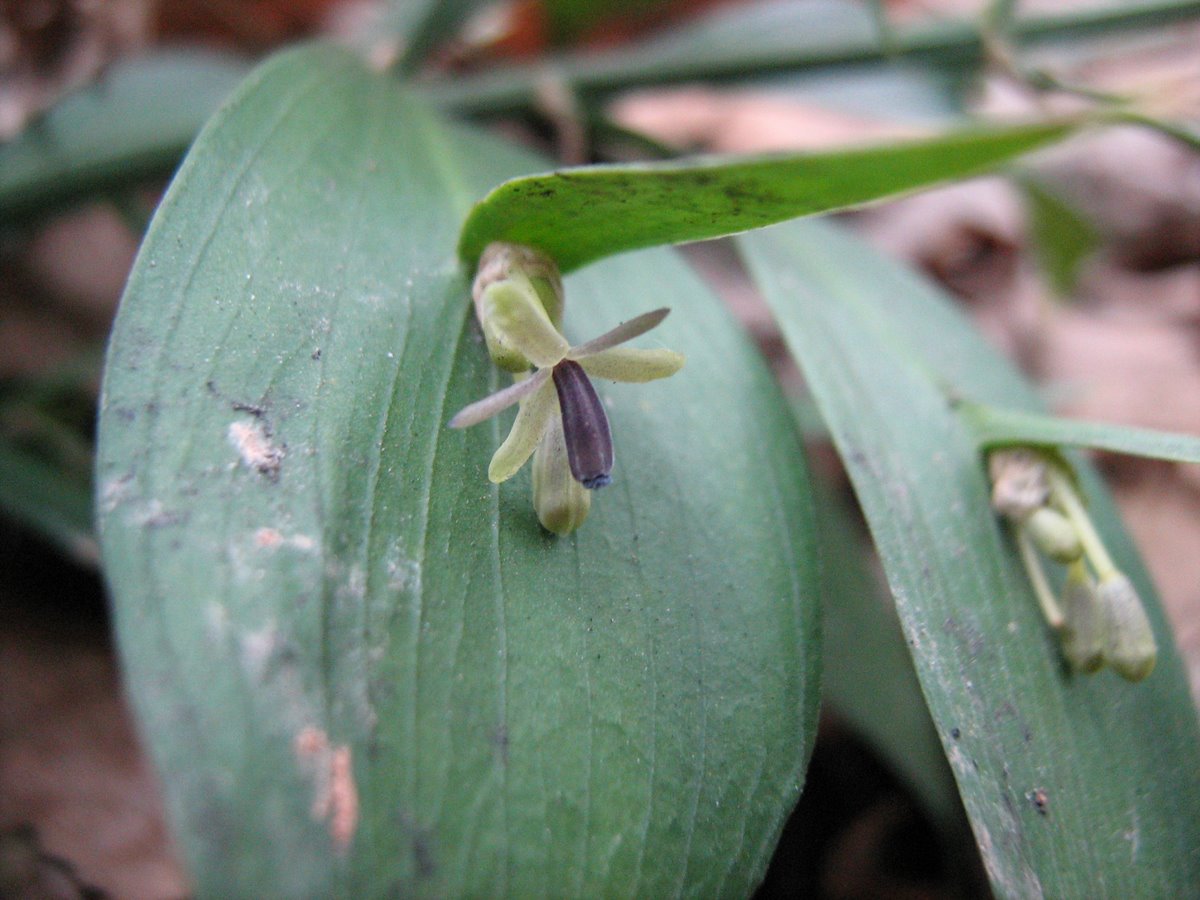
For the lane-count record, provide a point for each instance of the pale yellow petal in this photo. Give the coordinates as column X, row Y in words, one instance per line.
column 561, row 502
column 520, row 322
column 630, row 364
column 535, row 412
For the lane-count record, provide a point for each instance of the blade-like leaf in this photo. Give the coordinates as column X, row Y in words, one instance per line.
column 580, row 215
column 752, row 39
column 1076, row 786
column 868, row 675
column 361, row 668
column 136, row 122
column 423, row 25
column 996, row 426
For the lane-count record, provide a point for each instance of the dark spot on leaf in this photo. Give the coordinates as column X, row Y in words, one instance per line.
column 165, row 518
column 500, row 740
column 253, row 409
column 1040, row 800
column 422, row 846
column 955, row 733
column 421, row 841
column 316, row 354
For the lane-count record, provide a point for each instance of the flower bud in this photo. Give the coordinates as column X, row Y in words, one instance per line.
column 1084, row 622
column 1130, row 649
column 561, row 502
column 1019, row 482
column 1054, row 535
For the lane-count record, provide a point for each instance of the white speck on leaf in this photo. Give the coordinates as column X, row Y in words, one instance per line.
column 216, row 618
column 114, row 493
column 254, row 446
column 272, row 539
column 256, row 650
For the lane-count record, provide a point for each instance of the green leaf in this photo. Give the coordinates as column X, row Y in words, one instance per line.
column 1076, row 786
column 584, row 214
column 1063, row 239
column 423, row 25
column 868, row 675
column 52, row 501
column 316, row 587
column 996, row 426
column 135, row 122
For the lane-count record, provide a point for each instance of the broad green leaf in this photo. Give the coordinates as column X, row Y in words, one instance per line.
column 995, row 426
column 583, row 214
column 320, row 597
column 135, row 122
column 1076, row 786
column 1063, row 238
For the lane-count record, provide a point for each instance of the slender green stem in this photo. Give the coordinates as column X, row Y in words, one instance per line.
column 1063, row 494
column 1037, row 578
column 955, row 43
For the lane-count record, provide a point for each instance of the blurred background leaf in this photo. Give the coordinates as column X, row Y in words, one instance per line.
column 1062, row 238
column 133, row 124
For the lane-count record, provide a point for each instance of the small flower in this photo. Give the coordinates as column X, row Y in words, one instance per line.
column 1084, row 630
column 1101, row 619
column 561, row 420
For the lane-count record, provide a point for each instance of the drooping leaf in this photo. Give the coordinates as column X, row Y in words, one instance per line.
column 135, row 122
column 361, row 668
column 996, row 426
column 584, row 214
column 1076, row 786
